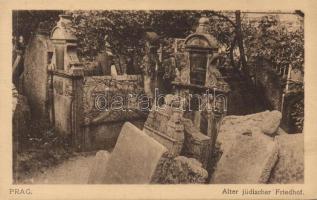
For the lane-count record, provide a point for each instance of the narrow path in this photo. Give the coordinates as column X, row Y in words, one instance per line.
column 73, row 171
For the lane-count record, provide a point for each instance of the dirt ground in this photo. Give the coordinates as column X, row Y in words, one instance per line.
column 75, row 170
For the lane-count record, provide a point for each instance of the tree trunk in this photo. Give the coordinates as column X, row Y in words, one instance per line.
column 239, row 36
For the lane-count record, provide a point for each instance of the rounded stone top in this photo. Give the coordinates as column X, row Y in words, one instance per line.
column 201, row 40
column 63, row 30
column 203, row 20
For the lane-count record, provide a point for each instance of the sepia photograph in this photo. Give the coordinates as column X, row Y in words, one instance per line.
column 158, row 97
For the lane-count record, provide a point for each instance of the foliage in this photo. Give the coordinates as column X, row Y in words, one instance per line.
column 298, row 115
column 282, row 45
column 273, row 40
column 25, row 22
column 126, row 28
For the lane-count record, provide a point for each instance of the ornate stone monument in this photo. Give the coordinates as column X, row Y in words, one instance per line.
column 199, row 77
column 67, row 80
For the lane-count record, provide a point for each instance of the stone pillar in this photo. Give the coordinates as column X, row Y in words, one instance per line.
column 67, row 79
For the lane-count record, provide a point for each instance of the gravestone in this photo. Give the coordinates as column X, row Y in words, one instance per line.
column 134, row 158
column 268, row 122
column 164, row 125
column 290, row 165
column 249, row 160
column 99, row 166
column 36, row 81
column 196, row 144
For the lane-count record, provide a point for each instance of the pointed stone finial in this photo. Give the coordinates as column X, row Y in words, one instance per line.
column 203, row 26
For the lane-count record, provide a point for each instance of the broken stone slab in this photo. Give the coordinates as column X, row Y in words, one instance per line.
column 249, row 160
column 179, row 170
column 134, row 158
column 97, row 171
column 231, row 126
column 290, row 165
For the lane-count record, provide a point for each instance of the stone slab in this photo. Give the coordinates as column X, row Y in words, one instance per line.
column 290, row 166
column 196, row 144
column 165, row 127
column 134, row 158
column 268, row 122
column 97, row 171
column 249, row 161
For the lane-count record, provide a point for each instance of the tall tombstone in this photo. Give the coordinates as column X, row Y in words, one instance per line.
column 199, row 76
column 67, row 79
column 35, row 76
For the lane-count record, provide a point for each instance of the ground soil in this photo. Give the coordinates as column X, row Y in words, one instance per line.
column 75, row 170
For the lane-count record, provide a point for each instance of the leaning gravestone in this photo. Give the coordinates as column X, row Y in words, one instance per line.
column 290, row 165
column 99, row 166
column 134, row 158
column 249, row 160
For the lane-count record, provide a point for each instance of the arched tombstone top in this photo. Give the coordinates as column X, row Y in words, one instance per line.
column 62, row 31
column 201, row 41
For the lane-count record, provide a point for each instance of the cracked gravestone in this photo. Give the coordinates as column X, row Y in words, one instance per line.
column 249, row 160
column 134, row 158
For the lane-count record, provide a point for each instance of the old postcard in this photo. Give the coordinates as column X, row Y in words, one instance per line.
column 158, row 100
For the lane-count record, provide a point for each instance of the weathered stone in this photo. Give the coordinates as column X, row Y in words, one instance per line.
column 121, row 86
column 290, row 165
column 249, row 160
column 35, row 75
column 99, row 167
column 271, row 123
column 179, row 170
column 164, row 125
column 196, row 144
column 134, row 158
column 231, row 126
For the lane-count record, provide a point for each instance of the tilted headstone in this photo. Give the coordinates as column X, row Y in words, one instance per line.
column 290, row 165
column 97, row 171
column 134, row 158
column 249, row 160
